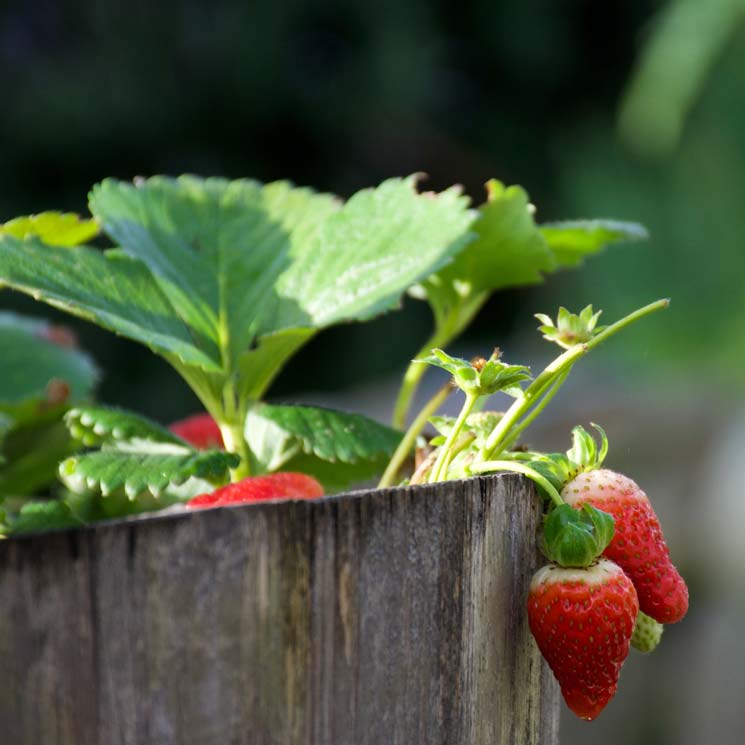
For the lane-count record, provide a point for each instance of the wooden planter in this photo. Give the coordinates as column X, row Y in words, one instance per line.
column 379, row 617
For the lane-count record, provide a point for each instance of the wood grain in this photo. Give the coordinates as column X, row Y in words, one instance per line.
column 389, row 617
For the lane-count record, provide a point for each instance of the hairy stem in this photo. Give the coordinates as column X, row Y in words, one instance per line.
column 439, row 470
column 627, row 320
column 409, row 439
column 494, row 443
column 508, row 465
column 530, row 417
column 447, row 328
column 501, row 434
column 412, row 377
column 235, row 442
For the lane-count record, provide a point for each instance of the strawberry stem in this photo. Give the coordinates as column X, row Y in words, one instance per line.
column 447, row 327
column 409, row 439
column 235, row 442
column 536, row 410
column 555, row 372
column 495, row 442
column 507, row 465
column 412, row 378
column 439, row 470
column 626, row 321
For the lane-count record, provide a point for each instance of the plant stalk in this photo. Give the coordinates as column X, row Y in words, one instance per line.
column 408, row 440
column 412, row 377
column 446, row 329
column 506, row 465
column 235, row 442
column 439, row 470
column 537, row 409
column 495, row 444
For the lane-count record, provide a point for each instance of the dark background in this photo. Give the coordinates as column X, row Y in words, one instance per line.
column 633, row 109
column 337, row 95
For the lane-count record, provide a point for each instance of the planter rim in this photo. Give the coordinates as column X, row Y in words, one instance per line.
column 179, row 512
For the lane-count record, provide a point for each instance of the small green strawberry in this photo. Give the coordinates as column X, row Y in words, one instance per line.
column 647, row 633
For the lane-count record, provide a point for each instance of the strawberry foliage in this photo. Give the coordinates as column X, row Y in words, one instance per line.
column 226, row 280
column 56, row 228
column 510, row 250
column 42, row 372
column 336, row 447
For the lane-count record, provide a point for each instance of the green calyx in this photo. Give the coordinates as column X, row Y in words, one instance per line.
column 570, row 328
column 647, row 633
column 481, row 377
column 575, row 538
column 584, row 455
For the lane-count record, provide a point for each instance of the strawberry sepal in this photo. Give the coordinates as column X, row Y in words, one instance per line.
column 576, row 538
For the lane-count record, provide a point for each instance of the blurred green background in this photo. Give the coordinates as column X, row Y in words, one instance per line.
column 632, row 110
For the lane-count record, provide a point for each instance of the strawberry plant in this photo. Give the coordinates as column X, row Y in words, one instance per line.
column 226, row 281
column 609, row 583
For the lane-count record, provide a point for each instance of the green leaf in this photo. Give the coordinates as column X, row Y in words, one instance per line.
column 480, row 424
column 604, row 526
column 240, row 261
column 572, row 240
column 575, row 538
column 270, row 444
column 481, row 377
column 509, row 250
column 33, row 449
column 258, row 367
column 336, row 477
column 300, row 437
column 108, row 288
column 147, row 473
column 453, row 365
column 95, row 426
column 227, row 279
column 53, row 228
column 584, row 452
column 37, row 372
column 216, row 248
column 39, row 516
column 366, row 255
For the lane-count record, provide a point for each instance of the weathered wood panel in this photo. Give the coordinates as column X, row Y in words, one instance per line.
column 375, row 618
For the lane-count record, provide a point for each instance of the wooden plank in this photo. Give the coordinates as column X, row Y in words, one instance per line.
column 387, row 617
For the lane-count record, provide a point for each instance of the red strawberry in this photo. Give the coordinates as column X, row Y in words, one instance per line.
column 638, row 545
column 582, row 620
column 286, row 485
column 200, row 430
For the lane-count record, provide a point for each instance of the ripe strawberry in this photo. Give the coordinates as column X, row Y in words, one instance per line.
column 199, row 430
column 638, row 545
column 286, row 485
column 582, row 620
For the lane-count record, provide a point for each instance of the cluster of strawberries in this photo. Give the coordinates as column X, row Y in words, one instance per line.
column 611, row 582
column 585, row 617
